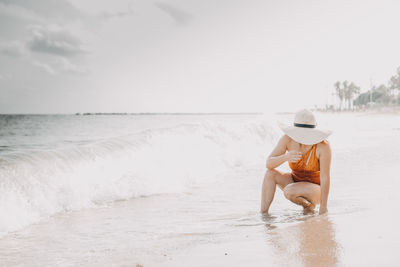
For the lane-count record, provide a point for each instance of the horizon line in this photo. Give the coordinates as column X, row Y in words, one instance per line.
column 136, row 113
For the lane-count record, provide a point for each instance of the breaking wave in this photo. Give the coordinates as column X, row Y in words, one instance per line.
column 38, row 184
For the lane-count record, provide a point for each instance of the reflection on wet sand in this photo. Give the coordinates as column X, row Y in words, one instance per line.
column 309, row 243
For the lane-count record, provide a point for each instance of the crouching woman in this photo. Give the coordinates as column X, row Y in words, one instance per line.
column 308, row 153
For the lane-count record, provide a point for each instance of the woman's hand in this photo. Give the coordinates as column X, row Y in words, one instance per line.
column 293, row 156
column 323, row 209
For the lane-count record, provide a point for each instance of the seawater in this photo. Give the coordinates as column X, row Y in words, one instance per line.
column 55, row 163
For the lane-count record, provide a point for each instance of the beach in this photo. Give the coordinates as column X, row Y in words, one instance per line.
column 184, row 190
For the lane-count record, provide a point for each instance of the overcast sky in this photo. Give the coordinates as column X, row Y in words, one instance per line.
column 66, row 56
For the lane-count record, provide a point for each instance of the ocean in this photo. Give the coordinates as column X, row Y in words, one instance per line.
column 161, row 190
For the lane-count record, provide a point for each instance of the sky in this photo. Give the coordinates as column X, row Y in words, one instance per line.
column 67, row 56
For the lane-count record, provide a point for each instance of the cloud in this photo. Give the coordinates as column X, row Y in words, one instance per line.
column 47, row 68
column 119, row 14
column 61, row 65
column 54, row 40
column 59, row 9
column 179, row 16
column 8, row 11
column 12, row 49
column 67, row 66
column 111, row 15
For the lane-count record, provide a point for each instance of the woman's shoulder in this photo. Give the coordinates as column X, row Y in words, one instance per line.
column 284, row 141
column 324, row 143
column 324, row 147
column 286, row 138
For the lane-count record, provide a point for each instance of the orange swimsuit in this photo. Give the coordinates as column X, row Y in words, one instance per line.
column 307, row 168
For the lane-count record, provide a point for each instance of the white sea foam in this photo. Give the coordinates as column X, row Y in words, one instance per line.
column 41, row 183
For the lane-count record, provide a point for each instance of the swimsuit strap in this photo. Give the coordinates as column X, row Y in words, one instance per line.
column 309, row 155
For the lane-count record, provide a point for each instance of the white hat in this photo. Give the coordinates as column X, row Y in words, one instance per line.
column 304, row 129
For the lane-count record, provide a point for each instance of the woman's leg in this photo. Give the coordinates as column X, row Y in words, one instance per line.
column 271, row 179
column 303, row 193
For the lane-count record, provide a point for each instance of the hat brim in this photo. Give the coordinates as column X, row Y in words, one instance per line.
column 307, row 136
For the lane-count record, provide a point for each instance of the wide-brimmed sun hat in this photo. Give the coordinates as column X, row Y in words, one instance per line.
column 304, row 129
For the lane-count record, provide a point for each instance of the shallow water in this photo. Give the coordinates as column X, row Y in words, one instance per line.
column 212, row 218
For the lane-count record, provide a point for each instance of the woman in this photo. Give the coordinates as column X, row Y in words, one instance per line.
column 309, row 156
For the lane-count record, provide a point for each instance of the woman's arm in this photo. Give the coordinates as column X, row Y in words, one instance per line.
column 325, row 168
column 279, row 155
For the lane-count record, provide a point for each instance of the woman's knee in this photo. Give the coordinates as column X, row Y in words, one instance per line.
column 270, row 175
column 288, row 192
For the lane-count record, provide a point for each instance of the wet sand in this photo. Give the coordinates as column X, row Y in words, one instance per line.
column 327, row 240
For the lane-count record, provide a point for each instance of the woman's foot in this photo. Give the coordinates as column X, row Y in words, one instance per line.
column 307, row 205
column 309, row 209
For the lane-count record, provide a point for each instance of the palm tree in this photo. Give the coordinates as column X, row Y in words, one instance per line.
column 349, row 92
column 346, row 91
column 394, row 83
column 339, row 92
